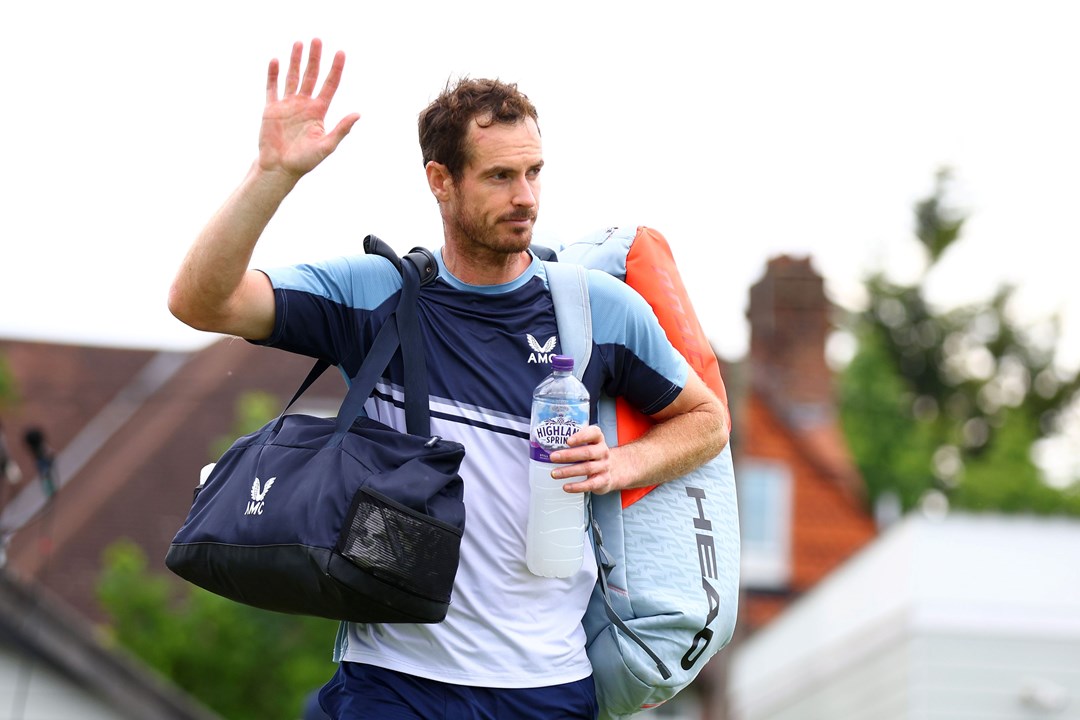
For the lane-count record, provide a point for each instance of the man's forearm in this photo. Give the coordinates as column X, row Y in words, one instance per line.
column 688, row 432
column 212, row 276
column 672, row 448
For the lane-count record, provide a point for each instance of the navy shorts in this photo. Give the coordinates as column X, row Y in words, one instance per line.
column 360, row 692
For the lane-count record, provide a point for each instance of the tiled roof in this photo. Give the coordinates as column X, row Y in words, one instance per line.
column 135, row 475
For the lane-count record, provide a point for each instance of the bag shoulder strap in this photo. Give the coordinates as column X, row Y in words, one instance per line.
column 401, row 329
column 569, row 286
column 396, row 331
column 422, row 258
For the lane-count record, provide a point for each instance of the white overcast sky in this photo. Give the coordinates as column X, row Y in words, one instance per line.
column 740, row 130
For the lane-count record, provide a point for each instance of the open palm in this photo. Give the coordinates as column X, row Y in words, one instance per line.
column 293, row 138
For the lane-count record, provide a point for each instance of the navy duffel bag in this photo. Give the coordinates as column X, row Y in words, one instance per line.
column 341, row 518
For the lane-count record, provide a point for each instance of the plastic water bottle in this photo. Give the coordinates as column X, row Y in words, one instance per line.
column 555, row 535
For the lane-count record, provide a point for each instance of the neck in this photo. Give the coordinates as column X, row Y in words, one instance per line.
column 478, row 265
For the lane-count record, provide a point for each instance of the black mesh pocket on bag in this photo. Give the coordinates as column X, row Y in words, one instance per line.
column 402, row 547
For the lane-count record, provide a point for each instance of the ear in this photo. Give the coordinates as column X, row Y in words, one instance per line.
column 439, row 180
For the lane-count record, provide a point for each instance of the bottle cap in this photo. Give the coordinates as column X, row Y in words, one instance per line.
column 562, row 363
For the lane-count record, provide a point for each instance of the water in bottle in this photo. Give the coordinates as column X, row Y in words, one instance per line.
column 555, row 535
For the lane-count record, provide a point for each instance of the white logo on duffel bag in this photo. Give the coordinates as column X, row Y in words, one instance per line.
column 255, row 507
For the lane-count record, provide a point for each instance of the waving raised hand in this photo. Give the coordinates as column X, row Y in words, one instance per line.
column 214, row 290
column 293, row 138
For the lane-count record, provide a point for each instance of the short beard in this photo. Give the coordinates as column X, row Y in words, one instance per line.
column 482, row 238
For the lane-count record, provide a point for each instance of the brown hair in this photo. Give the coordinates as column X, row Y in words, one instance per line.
column 444, row 124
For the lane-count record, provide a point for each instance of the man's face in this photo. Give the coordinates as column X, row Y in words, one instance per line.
column 493, row 205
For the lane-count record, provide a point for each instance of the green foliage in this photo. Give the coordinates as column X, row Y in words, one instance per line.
column 245, row 663
column 8, row 393
column 889, row 445
column 253, row 410
column 242, row 662
column 937, row 226
column 952, row 400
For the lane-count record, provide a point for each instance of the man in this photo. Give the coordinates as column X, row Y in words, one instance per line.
column 512, row 645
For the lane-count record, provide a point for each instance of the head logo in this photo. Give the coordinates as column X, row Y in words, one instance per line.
column 258, row 495
column 540, row 353
column 706, row 547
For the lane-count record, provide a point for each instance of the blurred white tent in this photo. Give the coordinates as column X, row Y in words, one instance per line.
column 959, row 616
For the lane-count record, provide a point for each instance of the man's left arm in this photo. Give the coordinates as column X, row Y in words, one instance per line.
column 688, row 432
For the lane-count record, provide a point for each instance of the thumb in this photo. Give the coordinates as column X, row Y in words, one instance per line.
column 342, row 129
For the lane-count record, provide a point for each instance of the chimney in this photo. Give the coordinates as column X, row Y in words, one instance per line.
column 788, row 317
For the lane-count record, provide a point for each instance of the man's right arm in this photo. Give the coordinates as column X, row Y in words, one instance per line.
column 214, row 290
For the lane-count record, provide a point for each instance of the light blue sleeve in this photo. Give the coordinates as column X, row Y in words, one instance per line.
column 642, row 362
column 362, row 282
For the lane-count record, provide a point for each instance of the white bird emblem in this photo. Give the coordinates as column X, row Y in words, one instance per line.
column 537, row 347
column 260, row 496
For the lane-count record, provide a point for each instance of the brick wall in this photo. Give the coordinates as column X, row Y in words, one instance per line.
column 789, row 416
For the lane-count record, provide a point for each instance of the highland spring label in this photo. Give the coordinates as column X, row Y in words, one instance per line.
column 552, row 433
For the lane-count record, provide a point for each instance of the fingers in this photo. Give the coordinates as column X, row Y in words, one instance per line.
column 293, row 132
column 271, row 81
column 333, row 78
column 581, row 454
column 311, row 74
column 591, row 458
column 582, row 468
column 292, row 78
column 586, row 444
column 588, row 452
column 598, row 483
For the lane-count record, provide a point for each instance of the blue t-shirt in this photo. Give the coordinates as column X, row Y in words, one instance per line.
column 487, row 347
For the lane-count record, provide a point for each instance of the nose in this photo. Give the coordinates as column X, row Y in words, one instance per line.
column 526, row 192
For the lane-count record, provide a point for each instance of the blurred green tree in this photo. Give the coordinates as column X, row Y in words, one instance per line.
column 8, row 392
column 953, row 400
column 253, row 410
column 244, row 663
